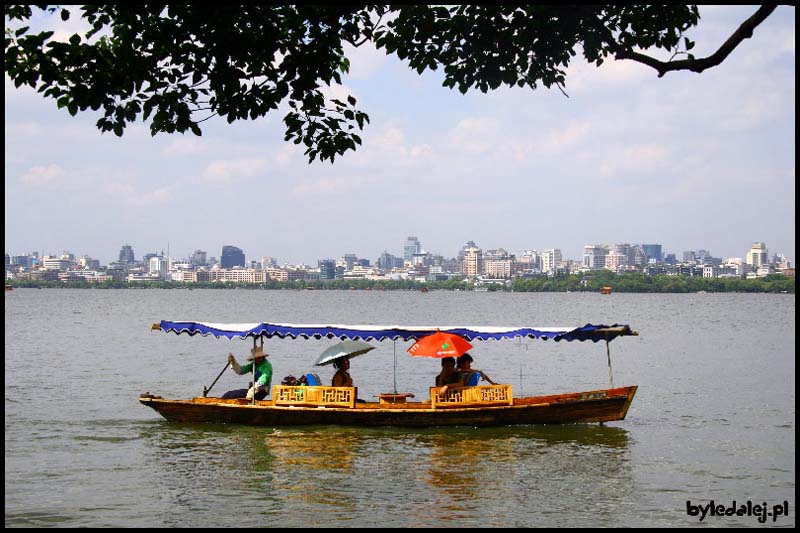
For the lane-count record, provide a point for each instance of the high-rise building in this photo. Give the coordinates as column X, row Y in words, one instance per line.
column 624, row 253
column 654, row 253
column 411, row 247
column 327, row 268
column 350, row 260
column 199, row 258
column 757, row 256
column 126, row 255
column 387, row 261
column 146, row 260
column 158, row 265
column 231, row 257
column 551, row 259
column 638, row 256
column 470, row 244
column 473, row 262
column 594, row 257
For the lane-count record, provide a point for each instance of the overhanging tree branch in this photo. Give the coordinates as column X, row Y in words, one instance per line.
column 745, row 31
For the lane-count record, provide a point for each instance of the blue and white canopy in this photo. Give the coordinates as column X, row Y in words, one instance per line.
column 589, row 332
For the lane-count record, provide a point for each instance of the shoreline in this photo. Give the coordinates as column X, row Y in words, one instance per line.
column 776, row 285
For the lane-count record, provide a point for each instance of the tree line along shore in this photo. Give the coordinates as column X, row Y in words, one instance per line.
column 630, row 282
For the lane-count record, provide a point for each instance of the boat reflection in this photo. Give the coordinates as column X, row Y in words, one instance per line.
column 473, row 472
column 307, row 465
column 337, row 476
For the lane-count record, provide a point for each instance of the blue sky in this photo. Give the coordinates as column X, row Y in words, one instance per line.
column 687, row 161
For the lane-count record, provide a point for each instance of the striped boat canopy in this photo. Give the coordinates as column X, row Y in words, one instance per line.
column 589, row 332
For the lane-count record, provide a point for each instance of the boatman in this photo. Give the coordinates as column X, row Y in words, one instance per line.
column 263, row 380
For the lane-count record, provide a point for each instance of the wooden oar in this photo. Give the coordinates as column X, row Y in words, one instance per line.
column 207, row 389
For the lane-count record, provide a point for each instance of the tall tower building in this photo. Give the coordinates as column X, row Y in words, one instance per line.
column 473, row 262
column 757, row 256
column 411, row 247
column 231, row 257
column 654, row 253
column 126, row 255
column 199, row 258
column 327, row 268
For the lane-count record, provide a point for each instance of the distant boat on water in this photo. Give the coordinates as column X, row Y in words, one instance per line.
column 605, row 290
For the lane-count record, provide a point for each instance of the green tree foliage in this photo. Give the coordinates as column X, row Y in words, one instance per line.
column 177, row 66
column 633, row 282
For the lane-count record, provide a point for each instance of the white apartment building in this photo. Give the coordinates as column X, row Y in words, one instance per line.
column 238, row 275
column 55, row 263
column 594, row 257
column 158, row 265
column 186, row 276
column 551, row 259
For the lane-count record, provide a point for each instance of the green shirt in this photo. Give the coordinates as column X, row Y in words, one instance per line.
column 265, row 369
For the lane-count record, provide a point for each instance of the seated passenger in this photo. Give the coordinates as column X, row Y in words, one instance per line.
column 464, row 369
column 448, row 375
column 342, row 377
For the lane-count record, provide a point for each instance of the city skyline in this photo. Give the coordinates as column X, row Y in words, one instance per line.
column 129, row 252
column 687, row 161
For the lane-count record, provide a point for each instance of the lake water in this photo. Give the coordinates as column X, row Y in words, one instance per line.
column 713, row 419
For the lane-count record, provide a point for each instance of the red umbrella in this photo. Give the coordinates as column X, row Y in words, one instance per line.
column 440, row 345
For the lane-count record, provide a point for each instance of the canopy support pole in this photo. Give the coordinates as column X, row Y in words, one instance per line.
column 253, row 400
column 608, row 354
column 394, row 372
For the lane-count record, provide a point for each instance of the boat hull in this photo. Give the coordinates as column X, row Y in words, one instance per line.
column 579, row 407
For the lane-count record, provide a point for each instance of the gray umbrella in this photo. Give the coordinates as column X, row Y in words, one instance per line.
column 344, row 348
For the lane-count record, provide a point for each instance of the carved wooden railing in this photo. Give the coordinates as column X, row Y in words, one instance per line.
column 456, row 396
column 314, row 396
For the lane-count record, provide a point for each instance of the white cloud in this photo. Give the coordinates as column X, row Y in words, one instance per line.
column 228, row 170
column 582, row 76
column 338, row 92
column 552, row 142
column 565, row 138
column 389, row 144
column 157, row 196
column 186, row 147
column 23, row 129
column 323, row 186
column 365, row 61
column 44, row 176
column 132, row 197
column 636, row 160
column 118, row 188
column 474, row 135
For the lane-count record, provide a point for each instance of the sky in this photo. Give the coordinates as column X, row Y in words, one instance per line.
column 689, row 161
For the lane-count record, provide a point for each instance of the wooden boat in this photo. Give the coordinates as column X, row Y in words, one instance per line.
column 605, row 290
column 492, row 405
